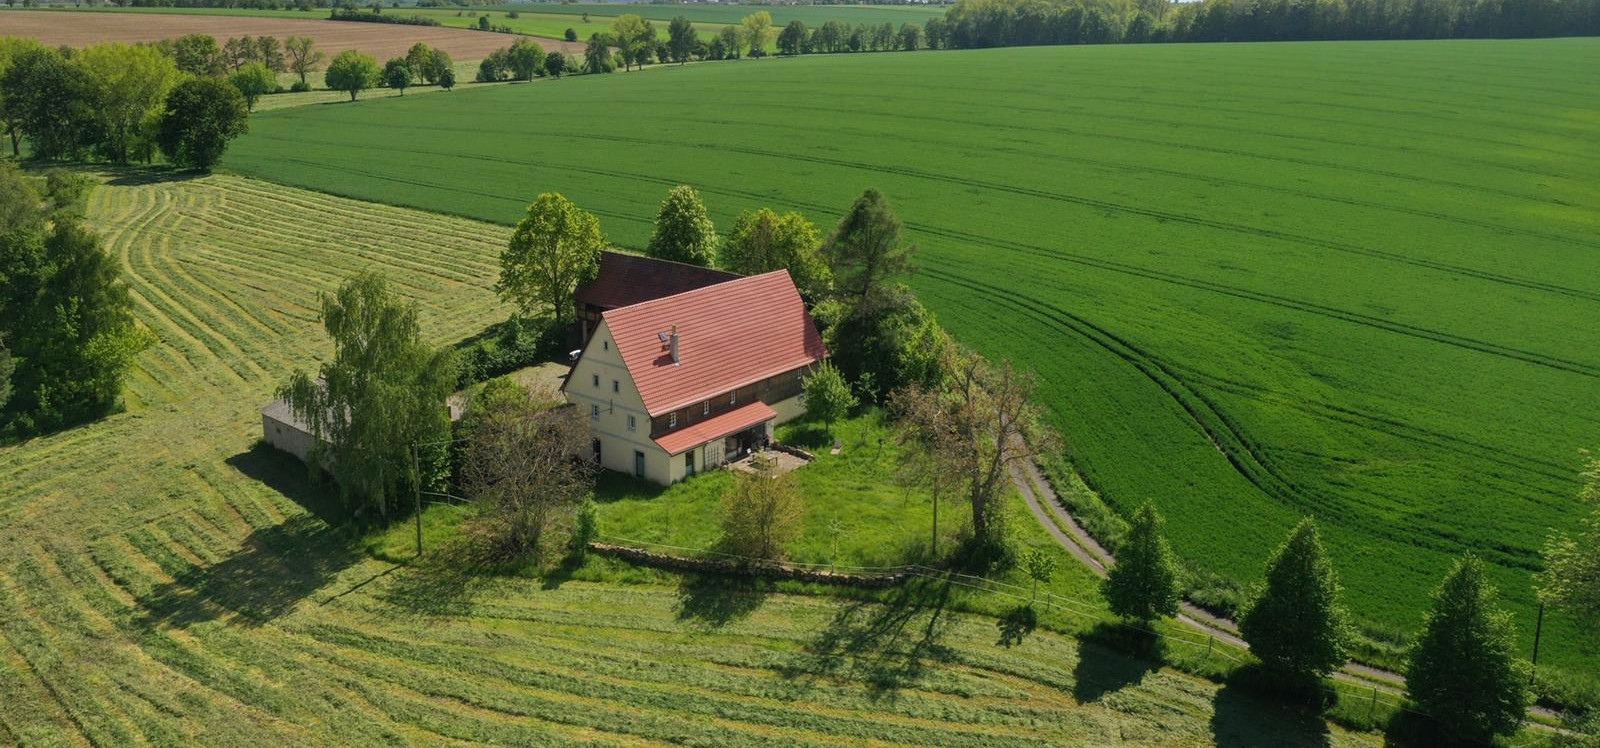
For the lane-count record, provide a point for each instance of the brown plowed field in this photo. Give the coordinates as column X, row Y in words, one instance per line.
column 381, row 40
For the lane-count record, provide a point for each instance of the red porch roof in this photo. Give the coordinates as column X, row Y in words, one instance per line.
column 738, row 419
column 729, row 335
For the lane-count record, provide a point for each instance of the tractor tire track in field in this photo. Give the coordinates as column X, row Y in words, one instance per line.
column 1241, row 452
column 1104, row 205
column 1478, row 346
column 1378, row 323
column 1157, row 215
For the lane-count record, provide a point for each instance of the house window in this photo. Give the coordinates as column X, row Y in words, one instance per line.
column 594, row 411
column 616, row 386
column 672, row 420
column 596, row 378
column 606, row 344
column 733, row 397
column 633, row 423
column 705, row 408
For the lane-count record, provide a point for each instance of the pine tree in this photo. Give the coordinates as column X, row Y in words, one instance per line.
column 1463, row 672
column 683, row 231
column 1295, row 625
column 1143, row 585
column 865, row 255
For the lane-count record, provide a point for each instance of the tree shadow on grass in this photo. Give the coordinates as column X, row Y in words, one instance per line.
column 274, row 568
column 714, row 600
column 143, row 175
column 1245, row 715
column 1105, row 665
column 1016, row 625
column 267, row 577
column 888, row 643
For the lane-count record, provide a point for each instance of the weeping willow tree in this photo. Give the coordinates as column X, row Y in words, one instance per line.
column 381, row 397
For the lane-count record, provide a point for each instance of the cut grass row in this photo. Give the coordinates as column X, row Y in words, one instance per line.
column 1349, row 289
column 162, row 582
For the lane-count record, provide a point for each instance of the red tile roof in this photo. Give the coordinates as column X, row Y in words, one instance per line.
column 738, row 419
column 630, row 279
column 729, row 335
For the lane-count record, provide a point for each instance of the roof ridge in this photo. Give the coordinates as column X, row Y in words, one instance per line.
column 634, row 308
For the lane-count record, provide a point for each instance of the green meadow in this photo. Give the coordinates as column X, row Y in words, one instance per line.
column 1357, row 281
column 165, row 580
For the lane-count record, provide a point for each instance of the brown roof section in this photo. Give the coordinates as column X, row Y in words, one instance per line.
column 625, row 280
column 738, row 419
column 729, row 335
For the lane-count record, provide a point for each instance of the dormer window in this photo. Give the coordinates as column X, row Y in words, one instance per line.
column 672, row 420
column 705, row 408
column 733, row 397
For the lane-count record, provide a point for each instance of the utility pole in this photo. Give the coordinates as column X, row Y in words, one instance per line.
column 416, row 495
column 1538, row 629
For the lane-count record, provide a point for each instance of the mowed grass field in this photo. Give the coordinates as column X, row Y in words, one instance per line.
column 1350, row 280
column 165, row 582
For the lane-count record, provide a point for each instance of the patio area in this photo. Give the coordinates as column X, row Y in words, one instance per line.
column 786, row 462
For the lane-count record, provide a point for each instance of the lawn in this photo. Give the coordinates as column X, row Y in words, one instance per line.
column 163, row 580
column 856, row 515
column 1350, row 284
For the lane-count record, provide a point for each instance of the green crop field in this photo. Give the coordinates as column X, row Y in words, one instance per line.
column 165, row 582
column 1350, row 280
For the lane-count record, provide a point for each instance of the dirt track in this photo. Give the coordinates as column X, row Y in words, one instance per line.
column 381, row 40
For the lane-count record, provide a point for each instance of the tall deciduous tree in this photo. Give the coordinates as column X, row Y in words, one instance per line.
column 49, row 100
column 352, row 72
column 197, row 54
column 791, row 41
column 397, row 75
column 126, row 83
column 518, row 465
column 1295, row 624
column 200, row 116
column 1463, row 671
column 984, row 420
column 762, row 515
column 683, row 231
column 732, row 42
column 420, row 60
column 597, row 56
column 526, row 59
column 381, row 396
column 1570, row 581
column 757, row 32
column 828, row 396
column 254, row 81
column 762, row 241
column 303, row 56
column 10, row 123
column 1143, row 584
column 64, row 312
column 635, row 37
column 865, row 253
column 681, row 38
column 555, row 247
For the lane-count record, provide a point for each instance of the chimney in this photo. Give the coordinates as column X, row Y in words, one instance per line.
column 673, row 344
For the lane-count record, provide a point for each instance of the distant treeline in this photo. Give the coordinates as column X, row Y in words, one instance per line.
column 351, row 14
column 1007, row 23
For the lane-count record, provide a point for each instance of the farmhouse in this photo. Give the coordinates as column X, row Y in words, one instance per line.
column 625, row 280
column 686, row 382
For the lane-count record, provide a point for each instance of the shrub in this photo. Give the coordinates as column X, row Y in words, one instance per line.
column 299, row 87
column 506, row 347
